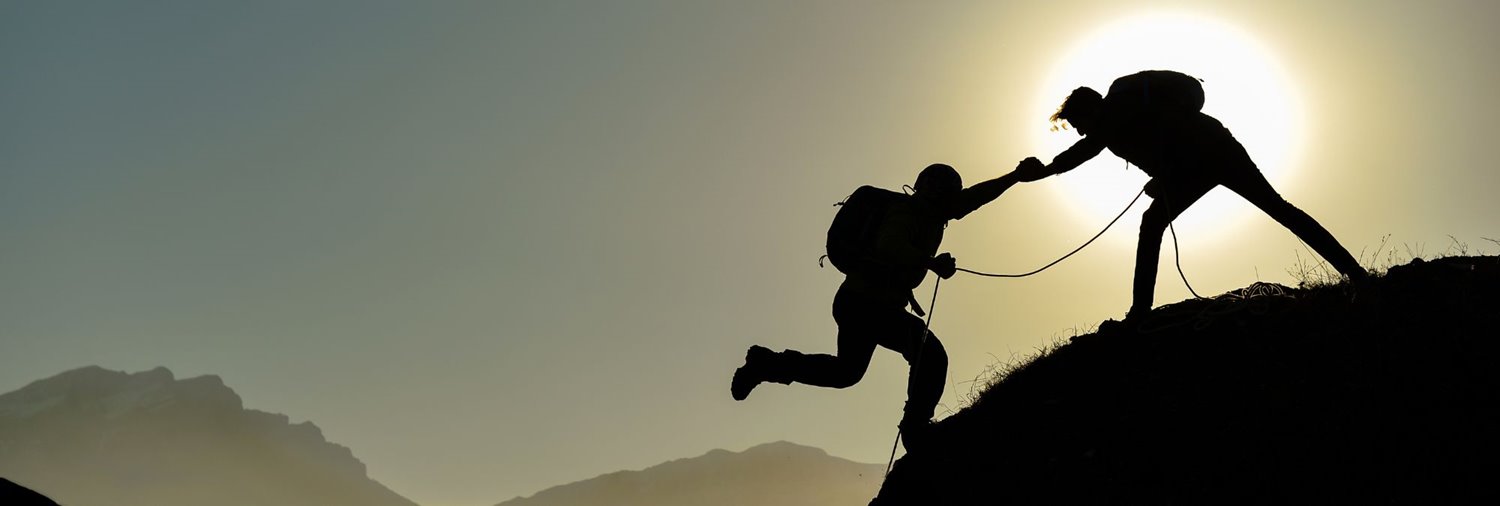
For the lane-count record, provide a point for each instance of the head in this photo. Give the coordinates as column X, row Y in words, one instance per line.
column 938, row 185
column 1081, row 109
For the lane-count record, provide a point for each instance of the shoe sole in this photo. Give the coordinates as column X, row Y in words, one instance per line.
column 735, row 382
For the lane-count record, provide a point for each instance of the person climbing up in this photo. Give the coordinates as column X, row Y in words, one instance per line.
column 885, row 243
column 1153, row 120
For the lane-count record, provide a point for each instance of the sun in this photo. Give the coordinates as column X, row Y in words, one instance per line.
column 1245, row 88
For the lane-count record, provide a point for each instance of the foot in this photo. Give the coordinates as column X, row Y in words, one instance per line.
column 1132, row 320
column 1105, row 327
column 1358, row 276
column 749, row 375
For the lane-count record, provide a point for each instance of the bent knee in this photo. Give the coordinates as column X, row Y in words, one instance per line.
column 937, row 352
column 932, row 354
column 847, row 374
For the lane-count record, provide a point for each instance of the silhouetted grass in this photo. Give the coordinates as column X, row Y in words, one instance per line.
column 1328, row 393
column 997, row 371
column 1312, row 272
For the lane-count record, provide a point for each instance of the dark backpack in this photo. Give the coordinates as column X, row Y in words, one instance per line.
column 856, row 227
column 1153, row 94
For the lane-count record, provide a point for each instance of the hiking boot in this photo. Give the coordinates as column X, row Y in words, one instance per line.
column 1360, row 279
column 916, row 434
column 1105, row 327
column 750, row 374
column 1129, row 324
column 1360, row 275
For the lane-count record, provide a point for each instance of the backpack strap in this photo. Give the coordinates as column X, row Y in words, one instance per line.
column 911, row 300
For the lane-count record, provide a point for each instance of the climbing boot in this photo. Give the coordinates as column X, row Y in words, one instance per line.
column 750, row 374
column 1131, row 322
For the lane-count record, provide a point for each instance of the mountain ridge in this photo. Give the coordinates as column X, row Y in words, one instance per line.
column 91, row 435
column 781, row 472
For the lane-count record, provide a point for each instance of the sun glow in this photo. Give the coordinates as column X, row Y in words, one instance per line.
column 1244, row 87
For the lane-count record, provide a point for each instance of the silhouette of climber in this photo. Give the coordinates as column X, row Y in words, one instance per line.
column 1150, row 121
column 870, row 306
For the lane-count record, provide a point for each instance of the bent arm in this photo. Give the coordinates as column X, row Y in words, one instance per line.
column 1081, row 151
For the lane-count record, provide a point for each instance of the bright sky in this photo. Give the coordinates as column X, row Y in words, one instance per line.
column 499, row 246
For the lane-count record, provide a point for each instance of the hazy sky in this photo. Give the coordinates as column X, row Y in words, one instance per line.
column 498, row 246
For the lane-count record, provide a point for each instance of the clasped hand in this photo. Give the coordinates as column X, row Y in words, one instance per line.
column 1031, row 169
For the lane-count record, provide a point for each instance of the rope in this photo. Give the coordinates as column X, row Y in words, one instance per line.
column 932, row 306
column 926, row 329
column 1070, row 253
column 1176, row 251
column 1177, row 255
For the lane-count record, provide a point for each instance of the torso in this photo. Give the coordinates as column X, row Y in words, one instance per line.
column 925, row 235
column 1165, row 145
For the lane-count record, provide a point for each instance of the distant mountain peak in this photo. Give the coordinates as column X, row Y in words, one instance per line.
column 783, row 446
column 116, row 393
column 781, row 473
column 77, row 435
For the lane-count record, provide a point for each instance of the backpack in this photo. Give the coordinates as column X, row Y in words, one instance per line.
column 856, row 227
column 1153, row 94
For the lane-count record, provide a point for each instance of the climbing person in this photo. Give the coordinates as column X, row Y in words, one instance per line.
column 1153, row 120
column 884, row 242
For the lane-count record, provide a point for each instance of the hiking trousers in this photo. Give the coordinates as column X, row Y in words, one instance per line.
column 1232, row 169
column 865, row 321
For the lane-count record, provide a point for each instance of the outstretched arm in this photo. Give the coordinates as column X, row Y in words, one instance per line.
column 1082, row 151
column 975, row 197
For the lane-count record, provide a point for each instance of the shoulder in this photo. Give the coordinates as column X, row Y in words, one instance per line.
column 1202, row 124
column 1096, row 140
column 903, row 206
column 910, row 213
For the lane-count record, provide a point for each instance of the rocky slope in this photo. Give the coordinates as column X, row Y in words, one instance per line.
column 1385, row 392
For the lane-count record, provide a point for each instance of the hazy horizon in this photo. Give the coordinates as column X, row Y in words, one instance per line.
column 498, row 247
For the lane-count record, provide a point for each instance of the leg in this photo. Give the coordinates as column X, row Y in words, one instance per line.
column 1171, row 201
column 1252, row 185
column 833, row 371
column 821, row 370
column 928, row 363
column 902, row 333
column 857, row 317
column 924, row 383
